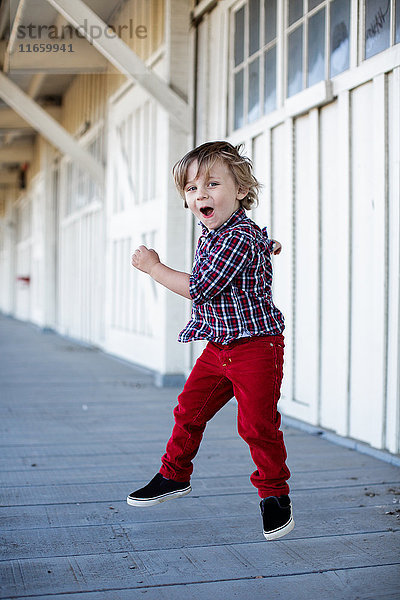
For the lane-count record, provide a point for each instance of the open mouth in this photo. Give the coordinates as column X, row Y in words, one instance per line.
column 207, row 211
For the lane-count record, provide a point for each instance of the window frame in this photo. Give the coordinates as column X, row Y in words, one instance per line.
column 247, row 60
column 363, row 28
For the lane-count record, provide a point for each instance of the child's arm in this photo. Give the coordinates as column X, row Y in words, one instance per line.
column 149, row 262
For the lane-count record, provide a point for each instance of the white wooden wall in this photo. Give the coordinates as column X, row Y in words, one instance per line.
column 81, row 254
column 329, row 163
column 8, row 233
column 141, row 210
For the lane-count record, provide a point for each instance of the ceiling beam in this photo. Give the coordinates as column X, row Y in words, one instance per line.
column 16, row 153
column 48, row 127
column 125, row 60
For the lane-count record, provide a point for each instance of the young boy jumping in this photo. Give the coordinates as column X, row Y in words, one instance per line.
column 230, row 287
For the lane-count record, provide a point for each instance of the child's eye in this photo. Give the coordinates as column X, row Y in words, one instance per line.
column 213, row 183
column 191, row 188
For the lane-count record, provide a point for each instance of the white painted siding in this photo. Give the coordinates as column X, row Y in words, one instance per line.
column 331, row 197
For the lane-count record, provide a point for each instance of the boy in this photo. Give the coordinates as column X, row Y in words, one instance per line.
column 230, row 288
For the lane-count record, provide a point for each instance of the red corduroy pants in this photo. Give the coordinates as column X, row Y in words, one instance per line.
column 250, row 369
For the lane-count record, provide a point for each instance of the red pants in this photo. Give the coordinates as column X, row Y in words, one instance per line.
column 251, row 370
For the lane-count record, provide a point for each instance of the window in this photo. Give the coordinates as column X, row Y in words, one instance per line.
column 254, row 61
column 381, row 25
column 134, row 160
column 310, row 25
column 81, row 189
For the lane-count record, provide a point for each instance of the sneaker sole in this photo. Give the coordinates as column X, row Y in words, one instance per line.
column 158, row 499
column 280, row 532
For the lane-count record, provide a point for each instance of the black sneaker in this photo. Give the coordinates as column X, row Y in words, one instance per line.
column 277, row 516
column 158, row 490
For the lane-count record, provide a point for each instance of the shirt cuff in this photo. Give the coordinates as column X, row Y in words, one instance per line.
column 195, row 291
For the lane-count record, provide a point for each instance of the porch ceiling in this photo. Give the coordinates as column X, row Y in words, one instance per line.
column 45, row 86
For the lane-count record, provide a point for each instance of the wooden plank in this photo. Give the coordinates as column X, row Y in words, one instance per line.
column 135, row 535
column 364, row 504
column 9, row 177
column 9, row 119
column 130, row 568
column 13, row 153
column 99, row 455
column 204, row 470
column 380, row 583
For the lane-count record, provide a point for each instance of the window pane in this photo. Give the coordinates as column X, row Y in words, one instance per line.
column 238, row 119
column 377, row 26
column 239, row 36
column 397, row 37
column 295, row 10
column 313, row 3
column 270, row 80
column 340, row 39
column 254, row 26
column 254, row 90
column 316, row 48
column 295, row 61
column 270, row 20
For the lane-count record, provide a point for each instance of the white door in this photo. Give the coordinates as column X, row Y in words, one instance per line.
column 134, row 304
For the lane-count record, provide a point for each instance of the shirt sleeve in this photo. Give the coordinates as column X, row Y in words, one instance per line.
column 229, row 256
column 270, row 243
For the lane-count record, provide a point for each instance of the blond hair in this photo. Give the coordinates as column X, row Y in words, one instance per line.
column 206, row 155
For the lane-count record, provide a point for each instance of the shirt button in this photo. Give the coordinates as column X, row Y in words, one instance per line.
column 271, row 344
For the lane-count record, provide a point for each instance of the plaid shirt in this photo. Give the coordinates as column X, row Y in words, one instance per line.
column 230, row 284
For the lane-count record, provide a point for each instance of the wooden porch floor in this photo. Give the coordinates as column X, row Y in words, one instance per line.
column 80, row 430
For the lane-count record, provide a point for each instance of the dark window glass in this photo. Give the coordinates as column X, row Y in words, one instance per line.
column 254, row 26
column 340, row 39
column 316, row 48
column 313, row 3
column 254, row 90
column 239, row 36
column 239, row 104
column 270, row 20
column 270, row 80
column 295, row 61
column 295, row 10
column 377, row 26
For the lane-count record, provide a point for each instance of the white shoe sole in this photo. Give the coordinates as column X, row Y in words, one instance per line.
column 159, row 499
column 280, row 532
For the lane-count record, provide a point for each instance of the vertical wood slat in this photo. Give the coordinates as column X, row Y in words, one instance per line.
column 306, row 262
column 392, row 438
column 334, row 269
column 368, row 256
column 282, row 141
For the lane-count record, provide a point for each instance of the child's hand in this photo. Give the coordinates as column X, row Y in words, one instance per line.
column 144, row 259
column 277, row 247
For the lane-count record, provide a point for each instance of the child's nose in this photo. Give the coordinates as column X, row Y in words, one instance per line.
column 201, row 193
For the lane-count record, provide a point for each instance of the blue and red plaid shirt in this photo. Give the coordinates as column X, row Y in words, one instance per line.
column 230, row 284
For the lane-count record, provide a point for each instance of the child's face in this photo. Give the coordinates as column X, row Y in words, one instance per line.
column 212, row 197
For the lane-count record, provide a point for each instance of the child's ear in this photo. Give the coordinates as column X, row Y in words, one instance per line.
column 242, row 193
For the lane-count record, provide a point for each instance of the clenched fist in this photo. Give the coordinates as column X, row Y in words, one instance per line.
column 145, row 259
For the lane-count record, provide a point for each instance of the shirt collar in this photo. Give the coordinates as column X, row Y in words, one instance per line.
column 236, row 217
